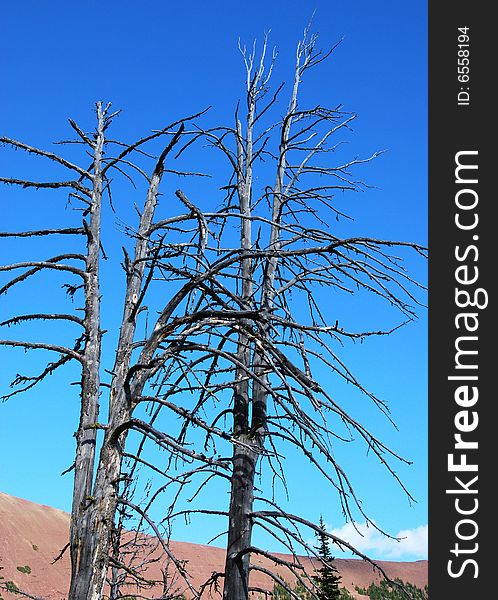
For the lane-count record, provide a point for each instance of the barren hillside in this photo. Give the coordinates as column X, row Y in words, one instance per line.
column 32, row 535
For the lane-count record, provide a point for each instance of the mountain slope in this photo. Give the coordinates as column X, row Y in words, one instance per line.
column 33, row 535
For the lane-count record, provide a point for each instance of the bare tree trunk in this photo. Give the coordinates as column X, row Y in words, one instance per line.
column 90, row 384
column 240, row 525
column 98, row 520
column 244, row 458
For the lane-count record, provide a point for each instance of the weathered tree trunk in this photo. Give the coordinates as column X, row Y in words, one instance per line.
column 96, row 522
column 90, row 383
column 240, row 525
column 244, row 460
column 250, row 408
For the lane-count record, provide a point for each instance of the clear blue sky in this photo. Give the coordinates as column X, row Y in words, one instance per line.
column 161, row 60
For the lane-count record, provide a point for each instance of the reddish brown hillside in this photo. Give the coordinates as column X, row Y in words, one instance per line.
column 32, row 535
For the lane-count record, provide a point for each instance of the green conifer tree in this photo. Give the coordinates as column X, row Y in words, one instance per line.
column 327, row 579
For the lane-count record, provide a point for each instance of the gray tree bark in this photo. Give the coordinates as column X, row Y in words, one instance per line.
column 244, row 458
column 97, row 521
column 250, row 405
column 86, row 436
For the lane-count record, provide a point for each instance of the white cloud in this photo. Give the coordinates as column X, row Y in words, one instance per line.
column 370, row 541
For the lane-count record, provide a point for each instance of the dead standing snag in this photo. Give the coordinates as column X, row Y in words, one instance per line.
column 95, row 493
column 288, row 251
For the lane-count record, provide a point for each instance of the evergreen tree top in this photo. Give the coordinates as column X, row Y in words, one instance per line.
column 327, row 579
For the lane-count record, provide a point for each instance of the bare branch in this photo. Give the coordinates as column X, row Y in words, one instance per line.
column 40, row 232
column 50, row 155
column 43, row 346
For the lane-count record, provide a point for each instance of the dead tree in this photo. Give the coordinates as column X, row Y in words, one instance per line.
column 271, row 331
column 255, row 328
column 96, row 492
column 223, row 329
